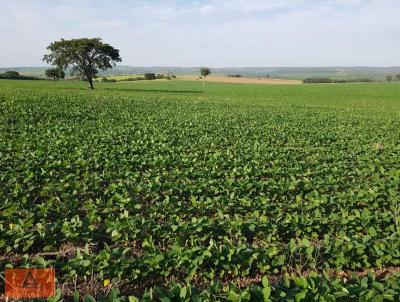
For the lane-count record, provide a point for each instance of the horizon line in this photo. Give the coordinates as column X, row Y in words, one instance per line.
column 222, row 67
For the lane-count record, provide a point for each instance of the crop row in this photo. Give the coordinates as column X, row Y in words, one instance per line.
column 291, row 289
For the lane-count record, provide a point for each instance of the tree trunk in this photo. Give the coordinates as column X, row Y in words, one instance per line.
column 90, row 80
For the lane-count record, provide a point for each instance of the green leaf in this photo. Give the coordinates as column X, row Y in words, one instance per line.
column 264, row 281
column 301, row 296
column 183, row 292
column 266, row 291
column 89, row 298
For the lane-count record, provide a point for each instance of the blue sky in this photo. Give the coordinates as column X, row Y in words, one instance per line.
column 212, row 33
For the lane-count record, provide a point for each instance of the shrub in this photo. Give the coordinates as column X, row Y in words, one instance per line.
column 12, row 74
column 133, row 79
column 329, row 80
column 359, row 80
column 150, row 76
column 317, row 80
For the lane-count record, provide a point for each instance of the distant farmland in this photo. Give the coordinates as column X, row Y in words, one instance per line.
column 295, row 73
column 242, row 80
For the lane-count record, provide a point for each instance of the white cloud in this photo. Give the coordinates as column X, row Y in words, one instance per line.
column 106, row 24
column 210, row 32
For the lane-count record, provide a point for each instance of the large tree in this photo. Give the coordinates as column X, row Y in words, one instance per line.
column 83, row 56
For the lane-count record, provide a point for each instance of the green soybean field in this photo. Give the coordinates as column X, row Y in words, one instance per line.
column 168, row 191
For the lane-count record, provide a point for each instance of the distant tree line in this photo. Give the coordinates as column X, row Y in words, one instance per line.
column 165, row 76
column 14, row 75
column 391, row 78
column 329, row 80
column 104, row 79
column 239, row 76
column 146, row 76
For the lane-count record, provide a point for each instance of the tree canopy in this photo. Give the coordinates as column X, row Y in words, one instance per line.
column 205, row 71
column 150, row 76
column 55, row 73
column 85, row 56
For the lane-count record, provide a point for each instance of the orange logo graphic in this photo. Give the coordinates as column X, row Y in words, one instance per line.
column 30, row 283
